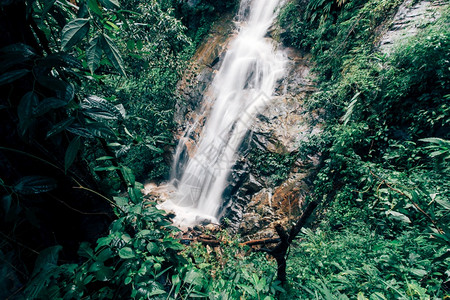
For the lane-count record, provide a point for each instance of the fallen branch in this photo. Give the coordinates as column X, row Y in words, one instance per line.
column 209, row 242
column 215, row 242
column 260, row 242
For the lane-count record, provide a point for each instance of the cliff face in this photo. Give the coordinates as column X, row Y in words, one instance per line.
column 408, row 21
column 255, row 200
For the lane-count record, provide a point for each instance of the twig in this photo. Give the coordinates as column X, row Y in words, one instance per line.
column 260, row 242
column 77, row 210
column 19, row 243
column 100, row 195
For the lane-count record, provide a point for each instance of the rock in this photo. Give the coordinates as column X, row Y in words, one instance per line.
column 206, row 60
column 252, row 185
column 407, row 21
column 250, row 206
column 261, row 202
column 288, row 197
column 250, row 224
column 199, row 228
column 212, row 227
column 268, row 207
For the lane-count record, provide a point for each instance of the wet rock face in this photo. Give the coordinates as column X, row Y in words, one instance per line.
column 407, row 21
column 270, row 206
column 254, row 204
column 284, row 124
column 206, row 61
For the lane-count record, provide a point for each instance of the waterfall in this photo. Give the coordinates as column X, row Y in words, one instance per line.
column 243, row 85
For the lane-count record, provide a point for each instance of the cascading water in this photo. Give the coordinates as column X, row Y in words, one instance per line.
column 243, row 85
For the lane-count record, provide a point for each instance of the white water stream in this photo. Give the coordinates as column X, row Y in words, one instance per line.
column 243, row 86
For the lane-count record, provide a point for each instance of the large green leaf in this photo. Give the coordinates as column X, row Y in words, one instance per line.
column 71, row 152
column 30, row 185
column 101, row 130
column 94, row 7
column 94, row 53
column 149, row 292
column 45, row 268
column 48, row 104
column 153, row 248
column 85, row 250
column 126, row 253
column 57, row 128
column 109, row 168
column 104, row 255
column 25, row 111
column 113, row 54
column 47, row 257
column 135, row 195
column 11, row 76
column 63, row 89
column 444, row 203
column 15, row 55
column 19, row 50
column 398, row 216
column 74, row 32
column 99, row 109
column 48, row 4
column 193, row 277
column 99, row 115
column 68, row 93
column 80, row 130
column 60, row 60
column 110, row 4
column 11, row 60
column 128, row 175
column 104, row 274
column 104, row 158
column 6, row 204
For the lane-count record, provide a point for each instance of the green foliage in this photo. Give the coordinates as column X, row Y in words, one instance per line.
column 157, row 55
column 335, row 36
column 131, row 57
column 276, row 166
column 135, row 260
column 140, row 258
column 55, row 129
column 358, row 261
column 234, row 271
column 383, row 232
column 384, row 172
column 440, row 151
column 198, row 16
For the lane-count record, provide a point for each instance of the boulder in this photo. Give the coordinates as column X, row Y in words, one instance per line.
column 280, row 205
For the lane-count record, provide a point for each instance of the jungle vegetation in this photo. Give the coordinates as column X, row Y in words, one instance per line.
column 87, row 98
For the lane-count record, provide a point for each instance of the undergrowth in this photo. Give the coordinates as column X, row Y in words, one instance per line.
column 382, row 232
